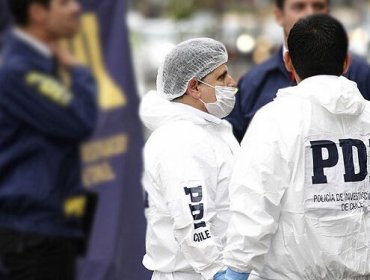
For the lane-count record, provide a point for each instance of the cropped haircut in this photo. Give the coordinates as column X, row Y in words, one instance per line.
column 19, row 9
column 318, row 45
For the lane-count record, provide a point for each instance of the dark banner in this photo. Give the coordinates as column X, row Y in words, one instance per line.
column 112, row 159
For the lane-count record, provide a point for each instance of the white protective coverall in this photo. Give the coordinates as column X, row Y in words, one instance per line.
column 188, row 163
column 299, row 194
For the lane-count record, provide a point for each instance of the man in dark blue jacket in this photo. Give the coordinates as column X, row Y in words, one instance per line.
column 260, row 85
column 42, row 123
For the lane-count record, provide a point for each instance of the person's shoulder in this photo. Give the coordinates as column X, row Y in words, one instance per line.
column 365, row 117
column 15, row 56
column 11, row 73
column 171, row 144
column 285, row 106
column 281, row 120
column 16, row 65
column 366, row 111
column 181, row 131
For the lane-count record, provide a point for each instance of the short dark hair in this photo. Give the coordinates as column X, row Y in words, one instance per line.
column 280, row 3
column 318, row 45
column 19, row 9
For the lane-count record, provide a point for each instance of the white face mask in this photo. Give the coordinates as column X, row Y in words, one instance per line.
column 225, row 100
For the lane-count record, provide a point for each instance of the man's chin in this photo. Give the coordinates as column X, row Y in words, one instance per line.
column 68, row 34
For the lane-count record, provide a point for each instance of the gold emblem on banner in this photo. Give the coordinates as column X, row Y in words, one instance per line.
column 87, row 49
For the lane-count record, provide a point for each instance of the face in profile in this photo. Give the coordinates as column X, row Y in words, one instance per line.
column 294, row 10
column 218, row 77
column 62, row 18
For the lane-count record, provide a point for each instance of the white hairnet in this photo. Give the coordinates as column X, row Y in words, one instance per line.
column 192, row 58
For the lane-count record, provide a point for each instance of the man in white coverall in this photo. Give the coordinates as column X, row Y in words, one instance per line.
column 188, row 162
column 299, row 194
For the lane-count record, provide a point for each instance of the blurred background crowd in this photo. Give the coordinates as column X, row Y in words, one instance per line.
column 246, row 27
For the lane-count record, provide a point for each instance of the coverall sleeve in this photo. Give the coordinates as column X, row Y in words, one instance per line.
column 188, row 174
column 43, row 102
column 257, row 186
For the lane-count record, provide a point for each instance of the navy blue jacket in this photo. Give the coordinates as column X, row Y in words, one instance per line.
column 260, row 85
column 41, row 127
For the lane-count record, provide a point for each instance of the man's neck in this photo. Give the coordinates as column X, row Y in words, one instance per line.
column 185, row 99
column 39, row 34
column 35, row 39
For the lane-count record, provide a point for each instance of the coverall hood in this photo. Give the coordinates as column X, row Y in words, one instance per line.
column 341, row 97
column 155, row 111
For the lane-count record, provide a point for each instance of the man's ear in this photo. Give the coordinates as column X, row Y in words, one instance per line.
column 193, row 88
column 347, row 62
column 288, row 62
column 279, row 17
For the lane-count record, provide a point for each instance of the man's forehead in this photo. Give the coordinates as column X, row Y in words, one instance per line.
column 220, row 69
column 290, row 2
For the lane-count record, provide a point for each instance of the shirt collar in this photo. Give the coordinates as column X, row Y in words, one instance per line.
column 33, row 42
